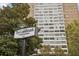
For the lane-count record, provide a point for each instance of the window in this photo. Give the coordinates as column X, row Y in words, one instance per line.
column 51, row 20
column 40, row 3
column 62, row 31
column 45, row 11
column 60, row 13
column 46, row 18
column 40, row 24
column 51, row 27
column 53, row 46
column 63, row 38
column 56, row 27
column 61, row 27
column 60, row 17
column 46, row 24
column 59, row 5
column 55, row 17
column 60, row 42
column 57, row 38
column 56, row 30
column 56, row 20
column 62, row 34
column 63, row 41
column 61, row 20
column 46, row 38
column 55, row 14
column 64, row 46
column 38, row 14
column 46, row 31
column 50, row 14
column 50, row 11
column 56, row 34
column 41, row 27
column 55, row 8
column 45, row 8
column 51, row 24
column 38, row 17
column 50, row 17
column 65, row 50
column 59, row 8
column 51, row 31
column 51, row 38
column 40, row 34
column 41, row 15
column 50, row 8
column 36, row 9
column 40, row 21
column 45, row 14
column 61, row 23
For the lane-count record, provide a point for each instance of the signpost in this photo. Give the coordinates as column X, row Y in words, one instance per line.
column 23, row 46
column 24, row 33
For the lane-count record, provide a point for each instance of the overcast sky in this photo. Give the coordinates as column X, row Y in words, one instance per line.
column 5, row 4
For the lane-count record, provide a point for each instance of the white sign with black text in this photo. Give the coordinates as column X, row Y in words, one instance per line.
column 24, row 33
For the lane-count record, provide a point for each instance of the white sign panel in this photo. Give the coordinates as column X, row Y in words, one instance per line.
column 23, row 33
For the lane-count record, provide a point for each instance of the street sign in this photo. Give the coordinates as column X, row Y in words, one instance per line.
column 24, row 33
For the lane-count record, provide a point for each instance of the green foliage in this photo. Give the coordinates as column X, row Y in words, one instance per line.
column 32, row 44
column 72, row 32
column 8, row 46
column 47, row 51
column 58, row 52
column 11, row 18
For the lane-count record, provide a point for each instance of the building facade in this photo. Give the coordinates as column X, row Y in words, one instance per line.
column 70, row 13
column 50, row 18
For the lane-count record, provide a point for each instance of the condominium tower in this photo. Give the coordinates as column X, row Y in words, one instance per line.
column 50, row 18
column 70, row 13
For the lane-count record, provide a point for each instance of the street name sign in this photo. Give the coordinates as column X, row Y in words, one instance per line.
column 24, row 33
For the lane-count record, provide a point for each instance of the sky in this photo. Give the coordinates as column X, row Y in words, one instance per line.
column 5, row 4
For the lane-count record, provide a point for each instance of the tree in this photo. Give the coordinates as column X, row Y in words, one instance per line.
column 73, row 38
column 11, row 18
column 47, row 51
column 58, row 51
column 32, row 44
column 8, row 46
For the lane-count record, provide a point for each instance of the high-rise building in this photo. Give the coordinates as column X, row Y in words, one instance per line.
column 50, row 19
column 70, row 12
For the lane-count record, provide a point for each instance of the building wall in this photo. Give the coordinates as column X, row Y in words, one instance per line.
column 70, row 12
column 50, row 19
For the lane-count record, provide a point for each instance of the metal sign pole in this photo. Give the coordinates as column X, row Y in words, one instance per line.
column 24, row 42
column 36, row 31
column 23, row 46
